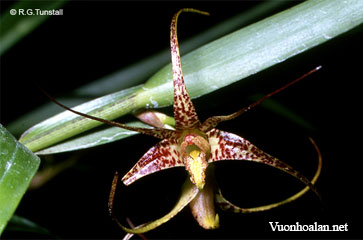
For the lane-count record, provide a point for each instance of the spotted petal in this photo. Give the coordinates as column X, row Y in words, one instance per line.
column 228, row 146
column 226, row 205
column 184, row 111
column 163, row 155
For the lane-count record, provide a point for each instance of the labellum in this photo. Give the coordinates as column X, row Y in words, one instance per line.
column 196, row 146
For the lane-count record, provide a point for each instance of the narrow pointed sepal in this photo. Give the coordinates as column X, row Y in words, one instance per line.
column 224, row 204
column 189, row 191
column 184, row 111
column 162, row 156
column 228, row 146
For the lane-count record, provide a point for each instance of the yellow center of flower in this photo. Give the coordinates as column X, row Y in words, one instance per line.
column 197, row 168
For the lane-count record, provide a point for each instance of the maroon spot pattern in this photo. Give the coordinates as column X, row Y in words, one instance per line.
column 184, row 111
column 163, row 155
column 228, row 146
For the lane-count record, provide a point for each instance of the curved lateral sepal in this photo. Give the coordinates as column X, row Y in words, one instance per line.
column 228, row 146
column 189, row 191
column 163, row 155
column 224, row 204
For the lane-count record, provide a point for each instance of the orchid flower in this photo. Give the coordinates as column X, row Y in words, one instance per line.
column 196, row 145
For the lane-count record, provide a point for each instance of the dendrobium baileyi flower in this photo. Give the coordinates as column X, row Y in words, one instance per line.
column 196, row 145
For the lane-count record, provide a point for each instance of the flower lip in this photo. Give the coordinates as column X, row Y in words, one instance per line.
column 195, row 151
column 202, row 205
column 196, row 165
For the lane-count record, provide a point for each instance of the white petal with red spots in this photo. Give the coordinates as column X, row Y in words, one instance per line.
column 163, row 155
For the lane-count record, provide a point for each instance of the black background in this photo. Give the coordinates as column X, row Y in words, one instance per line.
column 93, row 39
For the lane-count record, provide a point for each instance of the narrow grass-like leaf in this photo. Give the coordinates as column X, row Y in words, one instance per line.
column 67, row 124
column 104, row 135
column 21, row 124
column 15, row 27
column 17, row 168
column 94, row 138
column 140, row 71
column 224, row 61
column 255, row 48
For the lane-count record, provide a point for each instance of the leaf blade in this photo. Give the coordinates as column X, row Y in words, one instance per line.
column 255, row 48
column 93, row 139
column 240, row 54
column 67, row 124
column 137, row 73
column 18, row 165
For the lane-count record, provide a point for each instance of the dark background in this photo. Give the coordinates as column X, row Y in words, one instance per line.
column 93, row 39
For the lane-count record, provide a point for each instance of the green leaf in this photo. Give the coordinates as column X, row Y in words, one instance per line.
column 104, row 135
column 220, row 63
column 18, row 165
column 67, row 124
column 255, row 48
column 139, row 72
column 15, row 27
column 94, row 138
